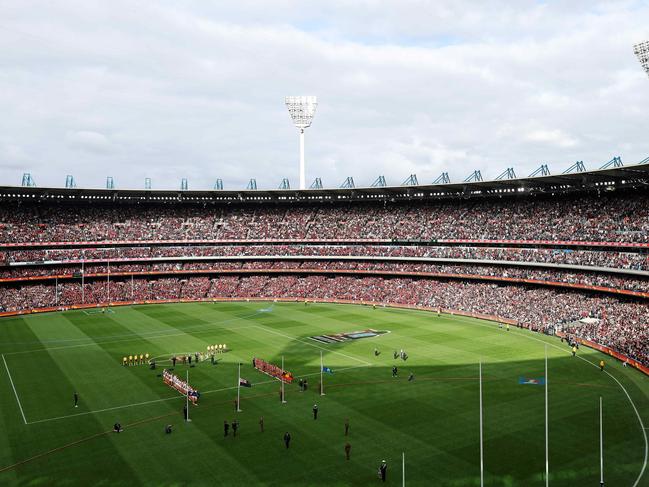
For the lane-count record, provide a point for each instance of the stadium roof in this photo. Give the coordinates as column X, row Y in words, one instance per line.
column 632, row 176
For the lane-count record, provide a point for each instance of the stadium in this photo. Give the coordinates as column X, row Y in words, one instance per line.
column 479, row 283
column 447, row 331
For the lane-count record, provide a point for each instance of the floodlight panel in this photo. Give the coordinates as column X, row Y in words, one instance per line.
column 301, row 109
column 642, row 51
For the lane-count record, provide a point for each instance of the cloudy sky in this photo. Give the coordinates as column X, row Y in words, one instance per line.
column 195, row 89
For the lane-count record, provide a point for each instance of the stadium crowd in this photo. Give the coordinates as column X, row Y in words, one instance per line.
column 612, row 218
column 601, row 279
column 619, row 324
column 603, row 258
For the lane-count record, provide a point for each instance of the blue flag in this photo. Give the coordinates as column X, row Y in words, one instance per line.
column 327, row 370
column 532, row 382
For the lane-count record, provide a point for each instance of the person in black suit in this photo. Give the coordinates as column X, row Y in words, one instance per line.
column 287, row 439
column 226, row 428
column 315, row 411
column 383, row 470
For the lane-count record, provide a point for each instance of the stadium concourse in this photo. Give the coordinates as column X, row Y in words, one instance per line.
column 562, row 250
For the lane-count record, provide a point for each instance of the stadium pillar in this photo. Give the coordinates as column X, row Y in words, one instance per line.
column 302, row 175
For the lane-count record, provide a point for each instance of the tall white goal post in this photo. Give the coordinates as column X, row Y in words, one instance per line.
column 302, row 110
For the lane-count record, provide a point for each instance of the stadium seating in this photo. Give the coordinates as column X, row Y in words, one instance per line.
column 535, row 260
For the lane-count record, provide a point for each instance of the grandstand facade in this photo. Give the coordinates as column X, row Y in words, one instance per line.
column 555, row 254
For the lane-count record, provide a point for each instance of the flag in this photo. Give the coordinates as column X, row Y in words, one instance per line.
column 533, row 382
column 327, row 370
column 244, row 383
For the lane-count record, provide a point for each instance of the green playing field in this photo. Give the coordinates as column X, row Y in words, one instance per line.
column 433, row 419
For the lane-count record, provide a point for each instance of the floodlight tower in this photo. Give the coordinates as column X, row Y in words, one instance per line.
column 642, row 51
column 301, row 109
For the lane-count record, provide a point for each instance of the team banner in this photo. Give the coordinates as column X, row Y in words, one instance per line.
column 272, row 370
column 181, row 386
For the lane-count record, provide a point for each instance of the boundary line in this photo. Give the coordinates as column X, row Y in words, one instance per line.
column 14, row 388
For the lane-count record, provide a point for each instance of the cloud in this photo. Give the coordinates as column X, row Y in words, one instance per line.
column 195, row 89
column 553, row 137
column 88, row 141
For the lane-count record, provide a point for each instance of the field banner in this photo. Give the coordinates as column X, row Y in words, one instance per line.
column 272, row 370
column 531, row 382
column 181, row 386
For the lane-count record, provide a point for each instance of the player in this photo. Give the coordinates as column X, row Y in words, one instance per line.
column 141, row 358
column 125, row 361
column 601, row 366
column 315, row 411
column 411, row 377
column 226, row 428
column 76, row 399
column 394, row 371
column 346, row 426
column 348, row 449
column 507, row 327
column 574, row 350
column 287, row 438
column 130, row 359
column 261, row 424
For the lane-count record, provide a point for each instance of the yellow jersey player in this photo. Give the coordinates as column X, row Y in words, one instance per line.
column 601, row 365
column 141, row 358
column 130, row 359
column 125, row 361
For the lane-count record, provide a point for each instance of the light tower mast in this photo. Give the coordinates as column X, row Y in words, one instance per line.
column 301, row 109
column 642, row 51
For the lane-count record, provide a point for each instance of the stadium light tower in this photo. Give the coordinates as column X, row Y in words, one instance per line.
column 301, row 109
column 642, row 51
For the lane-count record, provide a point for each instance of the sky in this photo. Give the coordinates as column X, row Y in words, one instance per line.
column 175, row 89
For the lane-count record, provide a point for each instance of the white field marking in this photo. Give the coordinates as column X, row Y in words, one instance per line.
column 134, row 338
column 14, row 388
column 311, row 344
column 642, row 426
column 144, row 403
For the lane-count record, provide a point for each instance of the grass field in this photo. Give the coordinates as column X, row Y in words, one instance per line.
column 434, row 419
